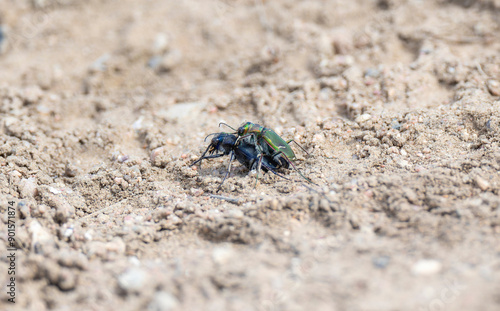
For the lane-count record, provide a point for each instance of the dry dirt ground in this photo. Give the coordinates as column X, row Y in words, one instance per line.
column 104, row 104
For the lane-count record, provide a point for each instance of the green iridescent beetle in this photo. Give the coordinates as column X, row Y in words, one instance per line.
column 268, row 143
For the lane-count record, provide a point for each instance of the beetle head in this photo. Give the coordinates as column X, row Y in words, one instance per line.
column 243, row 130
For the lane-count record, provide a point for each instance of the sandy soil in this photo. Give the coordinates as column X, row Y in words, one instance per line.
column 104, row 104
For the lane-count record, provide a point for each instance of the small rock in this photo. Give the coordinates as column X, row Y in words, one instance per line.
column 493, row 86
column 2, row 40
column 393, row 150
column 274, row 204
column 185, row 206
column 23, row 209
column 166, row 62
column 42, row 209
column 482, row 183
column 161, row 213
column 67, row 232
column 196, row 192
column 54, row 190
column 15, row 176
column 426, row 267
column 155, row 62
column 133, row 280
column 100, row 64
column 161, row 43
column 222, row 255
column 354, row 221
column 116, row 246
column 122, row 158
column 171, row 223
column 381, row 262
column 160, row 157
column 362, row 118
column 163, row 301
column 27, row 188
column 402, row 163
column 121, row 182
column 70, row 170
column 64, row 210
column 319, row 138
column 138, row 125
column 396, row 125
column 174, row 220
column 41, row 240
column 88, row 235
column 67, row 280
column 372, row 72
column 341, row 41
column 236, row 213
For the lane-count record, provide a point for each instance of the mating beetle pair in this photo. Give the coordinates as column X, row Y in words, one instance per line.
column 255, row 147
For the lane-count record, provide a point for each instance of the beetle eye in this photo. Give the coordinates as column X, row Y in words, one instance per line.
column 241, row 131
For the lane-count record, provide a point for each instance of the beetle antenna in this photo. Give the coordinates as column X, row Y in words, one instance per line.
column 210, row 135
column 227, row 126
column 291, row 140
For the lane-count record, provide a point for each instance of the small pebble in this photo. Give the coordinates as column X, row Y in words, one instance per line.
column 64, row 210
column 27, row 187
column 24, row 209
column 362, row 118
column 222, row 255
column 493, row 86
column 133, row 280
column 67, row 280
column 372, row 72
column 123, row 158
column 2, row 40
column 160, row 157
column 88, row 235
column 318, row 138
column 482, row 183
column 100, row 64
column 163, row 301
column 70, row 170
column 196, row 192
column 41, row 239
column 161, row 43
column 393, row 149
column 381, row 262
column 402, row 163
column 426, row 267
column 68, row 232
column 54, row 190
column 167, row 62
column 42, row 209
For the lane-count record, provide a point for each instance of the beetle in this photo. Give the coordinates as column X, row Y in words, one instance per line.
column 244, row 151
column 267, row 143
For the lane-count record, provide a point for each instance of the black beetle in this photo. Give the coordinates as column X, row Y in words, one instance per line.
column 244, row 151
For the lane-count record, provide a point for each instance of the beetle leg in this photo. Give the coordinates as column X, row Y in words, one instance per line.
column 207, row 157
column 259, row 164
column 293, row 165
column 228, row 170
column 274, row 172
column 245, row 136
